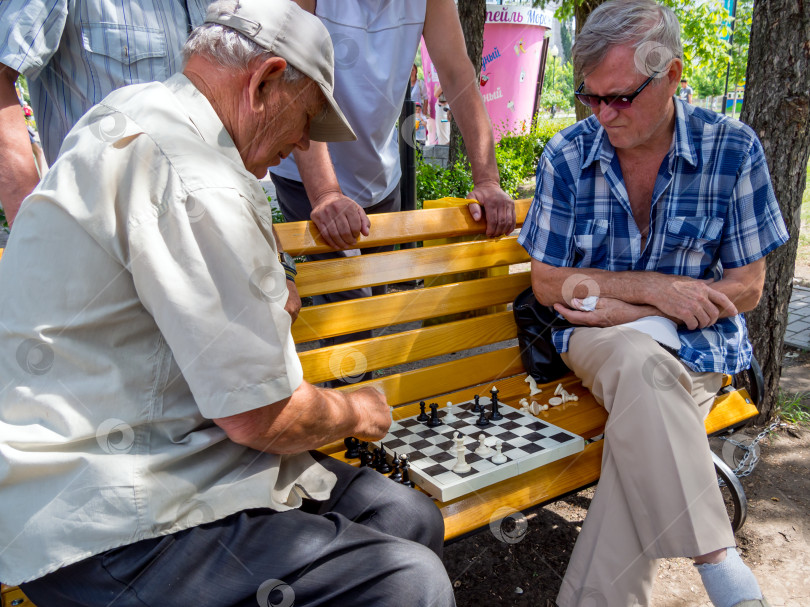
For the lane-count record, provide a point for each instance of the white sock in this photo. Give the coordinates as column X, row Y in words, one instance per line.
column 730, row 581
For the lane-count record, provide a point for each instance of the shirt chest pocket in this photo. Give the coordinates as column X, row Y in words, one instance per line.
column 690, row 243
column 126, row 53
column 590, row 238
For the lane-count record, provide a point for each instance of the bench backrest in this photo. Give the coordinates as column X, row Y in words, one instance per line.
column 455, row 284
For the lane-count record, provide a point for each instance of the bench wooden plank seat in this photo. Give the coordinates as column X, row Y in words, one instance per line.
column 405, row 358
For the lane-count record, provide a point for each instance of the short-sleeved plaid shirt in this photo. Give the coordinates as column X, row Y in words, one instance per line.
column 713, row 207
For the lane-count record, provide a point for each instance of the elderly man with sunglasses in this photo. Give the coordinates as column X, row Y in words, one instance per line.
column 648, row 232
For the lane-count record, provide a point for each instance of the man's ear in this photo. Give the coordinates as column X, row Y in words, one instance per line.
column 262, row 76
column 674, row 73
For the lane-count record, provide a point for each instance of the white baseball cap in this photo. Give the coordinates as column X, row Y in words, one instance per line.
column 287, row 30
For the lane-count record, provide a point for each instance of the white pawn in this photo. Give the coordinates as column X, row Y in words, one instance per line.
column 483, row 450
column 499, row 457
column 524, row 404
column 533, row 389
column 449, row 416
column 461, row 465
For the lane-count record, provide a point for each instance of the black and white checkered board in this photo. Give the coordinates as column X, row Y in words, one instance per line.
column 528, row 443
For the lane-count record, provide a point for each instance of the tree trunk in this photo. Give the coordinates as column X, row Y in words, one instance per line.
column 777, row 107
column 472, row 14
column 581, row 14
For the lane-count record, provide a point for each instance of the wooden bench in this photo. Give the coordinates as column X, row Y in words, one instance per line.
column 411, row 350
column 409, row 345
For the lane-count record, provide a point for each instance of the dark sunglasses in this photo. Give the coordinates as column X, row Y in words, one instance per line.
column 617, row 102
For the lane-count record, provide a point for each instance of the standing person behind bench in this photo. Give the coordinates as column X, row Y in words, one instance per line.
column 74, row 53
column 154, row 424
column 658, row 208
column 337, row 188
column 685, row 92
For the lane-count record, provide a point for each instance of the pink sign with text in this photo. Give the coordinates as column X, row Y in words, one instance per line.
column 513, row 44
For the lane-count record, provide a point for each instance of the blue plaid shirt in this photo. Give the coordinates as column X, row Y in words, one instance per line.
column 713, row 207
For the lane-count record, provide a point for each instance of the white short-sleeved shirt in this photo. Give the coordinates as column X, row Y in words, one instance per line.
column 140, row 297
column 75, row 52
column 375, row 44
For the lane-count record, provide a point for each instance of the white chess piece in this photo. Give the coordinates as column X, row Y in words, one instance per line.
column 524, row 404
column 461, row 465
column 449, row 416
column 499, row 457
column 536, row 408
column 555, row 401
column 483, row 450
column 533, row 389
column 558, row 390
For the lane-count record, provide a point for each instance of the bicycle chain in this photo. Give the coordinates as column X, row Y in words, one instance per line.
column 746, row 467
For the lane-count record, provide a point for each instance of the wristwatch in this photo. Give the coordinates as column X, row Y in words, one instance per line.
column 288, row 263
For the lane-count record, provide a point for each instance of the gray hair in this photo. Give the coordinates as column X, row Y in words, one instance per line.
column 227, row 47
column 653, row 30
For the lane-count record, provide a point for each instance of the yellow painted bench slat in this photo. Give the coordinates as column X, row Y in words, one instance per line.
column 302, row 237
column 328, row 320
column 409, row 346
column 418, row 384
column 334, row 275
column 464, row 514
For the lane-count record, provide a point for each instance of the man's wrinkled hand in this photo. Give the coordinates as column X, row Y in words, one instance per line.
column 340, row 220
column 373, row 412
column 499, row 209
column 293, row 305
column 692, row 302
column 609, row 312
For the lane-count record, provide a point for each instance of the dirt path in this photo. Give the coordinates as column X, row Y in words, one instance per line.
column 775, row 540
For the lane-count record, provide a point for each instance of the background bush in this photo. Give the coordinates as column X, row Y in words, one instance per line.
column 517, row 154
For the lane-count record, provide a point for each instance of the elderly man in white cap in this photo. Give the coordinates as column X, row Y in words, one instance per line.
column 155, row 428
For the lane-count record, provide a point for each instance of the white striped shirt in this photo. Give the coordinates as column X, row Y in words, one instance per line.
column 75, row 52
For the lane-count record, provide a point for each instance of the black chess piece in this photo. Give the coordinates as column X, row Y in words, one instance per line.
column 375, row 463
column 476, row 404
column 352, row 447
column 422, row 417
column 383, row 466
column 482, row 418
column 434, row 416
column 366, row 456
column 405, row 467
column 396, row 474
column 495, row 414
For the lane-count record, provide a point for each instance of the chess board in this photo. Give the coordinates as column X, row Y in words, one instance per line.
column 528, row 443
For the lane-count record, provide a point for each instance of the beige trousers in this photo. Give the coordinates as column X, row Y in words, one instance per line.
column 658, row 495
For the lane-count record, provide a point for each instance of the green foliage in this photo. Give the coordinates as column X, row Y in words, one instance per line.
column 278, row 217
column 3, row 222
column 517, row 154
column 791, row 408
column 566, row 39
column 433, row 182
column 23, row 84
column 706, row 82
column 558, row 86
column 705, row 27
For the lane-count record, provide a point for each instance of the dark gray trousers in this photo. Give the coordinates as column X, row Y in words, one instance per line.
column 374, row 542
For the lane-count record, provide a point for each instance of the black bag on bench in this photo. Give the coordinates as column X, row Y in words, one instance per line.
column 535, row 323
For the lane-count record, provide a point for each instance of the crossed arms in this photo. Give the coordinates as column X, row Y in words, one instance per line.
column 628, row 296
